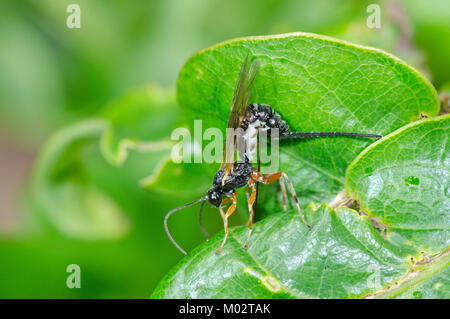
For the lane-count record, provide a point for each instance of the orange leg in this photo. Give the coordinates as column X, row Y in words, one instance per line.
column 251, row 200
column 225, row 216
column 226, row 200
column 269, row 178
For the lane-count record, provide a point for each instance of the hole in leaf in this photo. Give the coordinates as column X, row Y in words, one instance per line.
column 412, row 181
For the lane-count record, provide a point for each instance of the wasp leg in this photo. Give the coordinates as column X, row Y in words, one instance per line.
column 200, row 222
column 248, row 199
column 225, row 216
column 295, row 199
column 283, row 193
column 226, row 200
column 269, row 178
column 251, row 201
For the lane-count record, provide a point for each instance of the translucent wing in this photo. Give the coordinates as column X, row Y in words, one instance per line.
column 241, row 98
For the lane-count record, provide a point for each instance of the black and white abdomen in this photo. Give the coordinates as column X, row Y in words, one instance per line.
column 260, row 117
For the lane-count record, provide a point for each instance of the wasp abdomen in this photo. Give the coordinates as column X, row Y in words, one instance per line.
column 266, row 118
column 260, row 117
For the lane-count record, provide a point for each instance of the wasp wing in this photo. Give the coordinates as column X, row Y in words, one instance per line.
column 241, row 98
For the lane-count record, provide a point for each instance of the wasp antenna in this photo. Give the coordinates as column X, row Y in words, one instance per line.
column 326, row 134
column 173, row 211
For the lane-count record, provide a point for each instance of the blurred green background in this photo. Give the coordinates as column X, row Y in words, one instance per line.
column 69, row 96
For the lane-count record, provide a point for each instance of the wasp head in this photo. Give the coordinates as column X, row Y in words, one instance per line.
column 214, row 197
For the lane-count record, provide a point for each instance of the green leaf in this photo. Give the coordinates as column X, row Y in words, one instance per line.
column 435, row 287
column 138, row 117
column 403, row 181
column 171, row 175
column 317, row 84
column 321, row 84
column 342, row 256
column 63, row 189
column 61, row 192
column 90, row 208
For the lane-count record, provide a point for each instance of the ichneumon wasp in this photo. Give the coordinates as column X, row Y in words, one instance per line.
column 248, row 120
